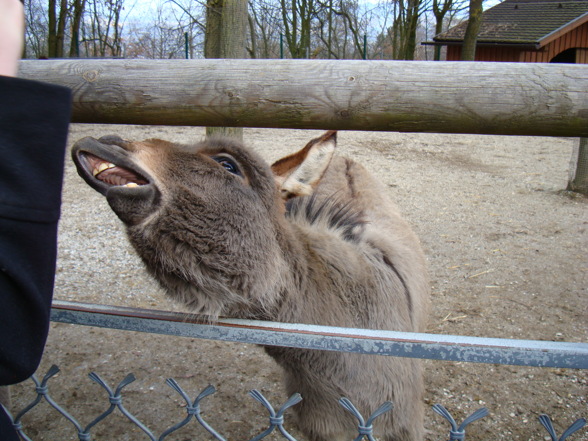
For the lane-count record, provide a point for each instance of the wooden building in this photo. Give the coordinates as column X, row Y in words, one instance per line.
column 536, row 31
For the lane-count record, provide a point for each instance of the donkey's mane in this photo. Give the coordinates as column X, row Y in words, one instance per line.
column 331, row 212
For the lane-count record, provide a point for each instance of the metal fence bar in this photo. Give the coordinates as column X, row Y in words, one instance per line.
column 402, row 344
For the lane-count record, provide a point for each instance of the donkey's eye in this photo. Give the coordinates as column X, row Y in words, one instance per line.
column 229, row 164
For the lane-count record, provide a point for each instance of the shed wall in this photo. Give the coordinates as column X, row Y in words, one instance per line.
column 576, row 38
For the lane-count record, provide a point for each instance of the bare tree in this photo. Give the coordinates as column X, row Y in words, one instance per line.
column 345, row 26
column 36, row 29
column 156, row 41
column 76, row 20
column 264, row 29
column 468, row 49
column 174, row 28
column 190, row 19
column 50, row 25
column 405, row 28
column 102, row 31
column 56, row 28
column 440, row 9
column 385, row 14
column 296, row 19
column 338, row 28
column 400, row 26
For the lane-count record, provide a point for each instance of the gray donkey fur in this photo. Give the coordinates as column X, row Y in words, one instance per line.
column 312, row 239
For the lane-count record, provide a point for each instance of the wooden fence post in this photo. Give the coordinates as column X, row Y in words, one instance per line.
column 579, row 168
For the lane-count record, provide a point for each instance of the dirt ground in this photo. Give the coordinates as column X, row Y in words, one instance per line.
column 508, row 255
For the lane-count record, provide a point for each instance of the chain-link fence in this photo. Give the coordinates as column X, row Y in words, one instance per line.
column 471, row 349
column 275, row 420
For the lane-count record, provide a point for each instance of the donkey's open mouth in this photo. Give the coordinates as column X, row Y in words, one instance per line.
column 106, row 164
column 112, row 174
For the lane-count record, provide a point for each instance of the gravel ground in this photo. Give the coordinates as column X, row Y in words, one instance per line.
column 508, row 258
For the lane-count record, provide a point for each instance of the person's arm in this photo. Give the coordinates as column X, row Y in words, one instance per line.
column 11, row 35
column 34, row 121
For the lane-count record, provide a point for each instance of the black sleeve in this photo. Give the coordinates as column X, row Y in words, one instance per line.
column 34, row 120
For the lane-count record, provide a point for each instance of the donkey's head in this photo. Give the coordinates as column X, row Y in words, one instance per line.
column 208, row 220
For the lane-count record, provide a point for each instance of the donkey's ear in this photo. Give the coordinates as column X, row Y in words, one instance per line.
column 300, row 173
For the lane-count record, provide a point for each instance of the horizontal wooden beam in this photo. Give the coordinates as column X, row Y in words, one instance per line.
column 444, row 97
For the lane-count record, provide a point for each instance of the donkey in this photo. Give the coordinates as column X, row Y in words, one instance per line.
column 312, row 239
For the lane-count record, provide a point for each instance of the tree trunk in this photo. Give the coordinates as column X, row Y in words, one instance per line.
column 117, row 43
column 440, row 13
column 52, row 29
column 253, row 49
column 297, row 28
column 225, row 37
column 411, row 25
column 234, row 29
column 330, row 30
column 56, row 31
column 212, row 34
column 404, row 29
column 78, row 10
column 438, row 30
column 468, row 50
column 61, row 29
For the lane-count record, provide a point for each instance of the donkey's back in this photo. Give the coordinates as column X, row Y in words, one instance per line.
column 367, row 271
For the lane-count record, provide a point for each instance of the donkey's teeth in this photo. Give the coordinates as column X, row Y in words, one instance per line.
column 132, row 184
column 101, row 167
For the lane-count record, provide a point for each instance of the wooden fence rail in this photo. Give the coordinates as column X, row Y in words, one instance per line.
column 443, row 97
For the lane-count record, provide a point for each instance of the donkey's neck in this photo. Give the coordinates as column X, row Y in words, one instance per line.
column 322, row 263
